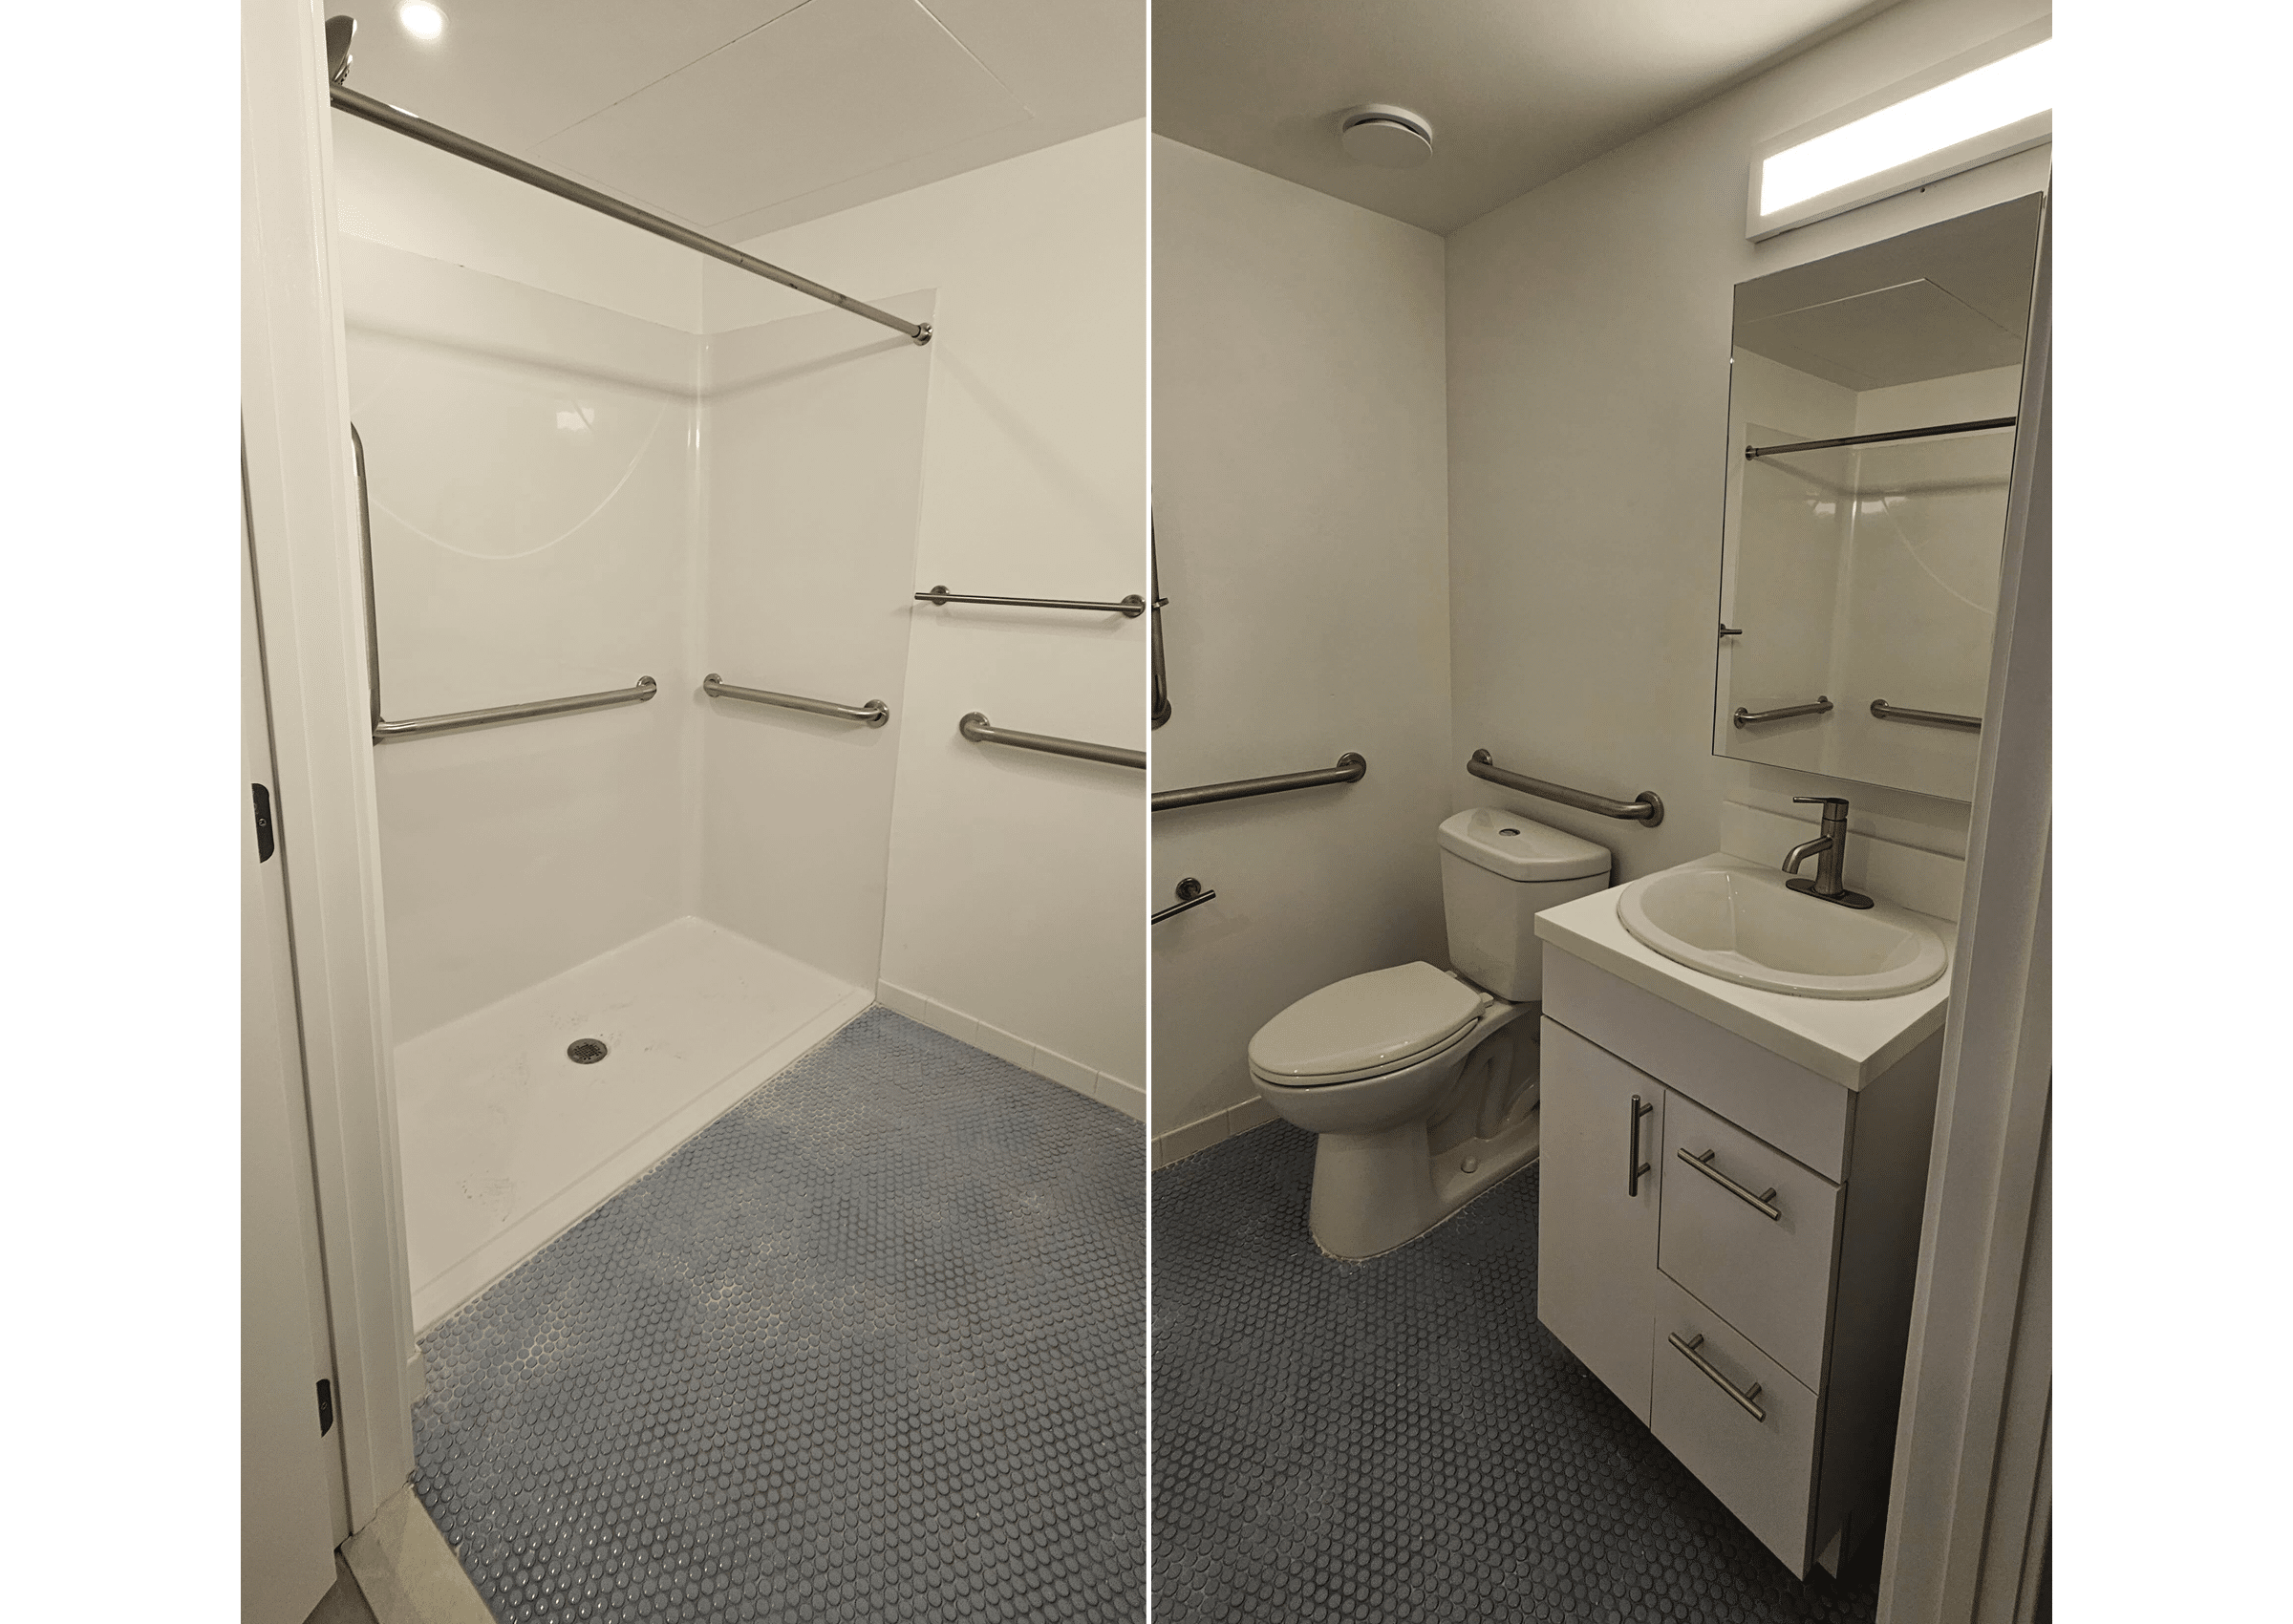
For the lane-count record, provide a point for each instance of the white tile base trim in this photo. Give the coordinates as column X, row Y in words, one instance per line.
column 1179, row 1144
column 1108, row 1089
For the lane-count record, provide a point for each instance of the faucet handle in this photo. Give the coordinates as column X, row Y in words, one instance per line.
column 1827, row 801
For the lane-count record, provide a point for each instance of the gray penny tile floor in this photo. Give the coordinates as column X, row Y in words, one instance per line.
column 1400, row 1438
column 869, row 1346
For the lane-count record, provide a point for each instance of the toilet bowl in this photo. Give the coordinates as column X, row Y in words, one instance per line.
column 1422, row 1083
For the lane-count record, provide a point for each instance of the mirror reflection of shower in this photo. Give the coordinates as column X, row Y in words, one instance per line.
column 1871, row 411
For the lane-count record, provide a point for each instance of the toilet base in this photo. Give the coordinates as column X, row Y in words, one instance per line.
column 1376, row 1192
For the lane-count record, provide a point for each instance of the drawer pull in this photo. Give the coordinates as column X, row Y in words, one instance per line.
column 1633, row 1166
column 1704, row 1364
column 1703, row 1164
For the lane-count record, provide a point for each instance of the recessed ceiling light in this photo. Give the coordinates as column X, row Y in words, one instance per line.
column 421, row 19
column 1390, row 138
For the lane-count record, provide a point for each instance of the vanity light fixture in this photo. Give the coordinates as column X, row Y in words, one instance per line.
column 1985, row 104
column 421, row 19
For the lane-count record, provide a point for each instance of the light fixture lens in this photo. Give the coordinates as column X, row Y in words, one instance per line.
column 1991, row 97
column 421, row 19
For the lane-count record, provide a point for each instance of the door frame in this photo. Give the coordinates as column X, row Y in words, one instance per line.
column 302, row 510
column 1969, row 1519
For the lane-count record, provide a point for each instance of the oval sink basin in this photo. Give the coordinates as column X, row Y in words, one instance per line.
column 1743, row 925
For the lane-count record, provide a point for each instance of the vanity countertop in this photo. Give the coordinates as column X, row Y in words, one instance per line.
column 1852, row 1042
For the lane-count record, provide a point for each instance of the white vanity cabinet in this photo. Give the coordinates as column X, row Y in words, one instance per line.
column 1727, row 1239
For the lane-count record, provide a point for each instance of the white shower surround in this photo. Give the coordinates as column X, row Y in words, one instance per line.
column 564, row 497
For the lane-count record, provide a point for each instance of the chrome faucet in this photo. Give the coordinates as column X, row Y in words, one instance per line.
column 1829, row 849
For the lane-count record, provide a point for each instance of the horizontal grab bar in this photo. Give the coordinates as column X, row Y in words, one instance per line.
column 1647, row 808
column 1887, row 713
column 459, row 720
column 1750, row 451
column 1191, row 895
column 1350, row 769
column 1129, row 608
column 981, row 731
column 876, row 713
column 1822, row 704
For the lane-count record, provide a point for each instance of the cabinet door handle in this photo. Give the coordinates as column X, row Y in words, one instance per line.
column 1703, row 1164
column 1633, row 1166
column 1725, row 1386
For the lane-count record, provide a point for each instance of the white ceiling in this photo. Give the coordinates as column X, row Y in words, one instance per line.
column 1517, row 90
column 743, row 116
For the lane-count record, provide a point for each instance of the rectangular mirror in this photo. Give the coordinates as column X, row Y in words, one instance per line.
column 1871, row 427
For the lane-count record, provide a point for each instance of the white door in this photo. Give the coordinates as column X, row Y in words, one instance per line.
column 289, row 1475
column 1595, row 1209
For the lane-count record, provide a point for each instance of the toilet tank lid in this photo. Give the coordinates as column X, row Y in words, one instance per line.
column 1507, row 843
column 1366, row 1021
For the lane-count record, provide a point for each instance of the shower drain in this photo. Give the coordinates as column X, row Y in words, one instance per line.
column 585, row 1051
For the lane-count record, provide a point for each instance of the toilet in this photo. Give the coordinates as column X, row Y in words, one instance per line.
column 1422, row 1083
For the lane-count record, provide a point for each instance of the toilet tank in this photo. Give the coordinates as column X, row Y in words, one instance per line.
column 1498, row 872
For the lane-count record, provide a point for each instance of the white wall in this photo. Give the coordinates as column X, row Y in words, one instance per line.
column 531, row 528
column 1300, row 467
column 1015, row 896
column 812, row 434
column 1588, row 345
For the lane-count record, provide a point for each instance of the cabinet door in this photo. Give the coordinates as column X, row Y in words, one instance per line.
column 1595, row 1213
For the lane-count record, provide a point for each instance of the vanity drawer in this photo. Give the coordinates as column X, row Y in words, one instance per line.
column 1762, row 1466
column 1771, row 1276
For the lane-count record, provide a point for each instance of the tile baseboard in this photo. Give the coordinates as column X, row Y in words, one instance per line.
column 1119, row 1094
column 1203, row 1132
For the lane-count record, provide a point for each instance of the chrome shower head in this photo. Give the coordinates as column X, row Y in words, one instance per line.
column 338, row 48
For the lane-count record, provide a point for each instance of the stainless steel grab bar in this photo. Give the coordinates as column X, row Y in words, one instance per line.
column 1739, row 1394
column 1822, row 704
column 876, row 713
column 1351, row 768
column 981, row 731
column 1881, row 438
column 1129, row 608
column 373, row 112
column 1887, row 713
column 1191, row 895
column 459, row 720
column 1647, row 808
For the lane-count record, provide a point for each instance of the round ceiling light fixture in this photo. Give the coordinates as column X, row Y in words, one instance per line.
column 1390, row 138
column 421, row 19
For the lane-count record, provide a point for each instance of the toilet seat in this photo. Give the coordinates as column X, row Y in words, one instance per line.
column 1365, row 1025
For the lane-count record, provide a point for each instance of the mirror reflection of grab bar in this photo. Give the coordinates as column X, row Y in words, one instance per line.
column 1191, row 895
column 1822, row 704
column 1129, row 608
column 976, row 728
column 1647, row 808
column 1350, row 769
column 876, row 713
column 1887, row 713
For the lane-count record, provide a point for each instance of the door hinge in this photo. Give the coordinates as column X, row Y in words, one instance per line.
column 265, row 845
column 326, row 1409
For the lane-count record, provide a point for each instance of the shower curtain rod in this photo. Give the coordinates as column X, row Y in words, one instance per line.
column 406, row 123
